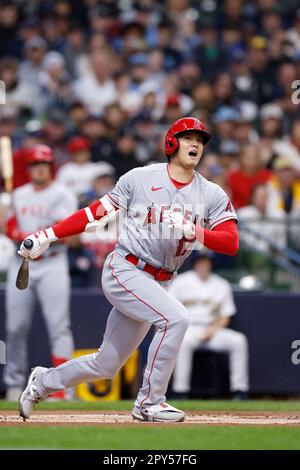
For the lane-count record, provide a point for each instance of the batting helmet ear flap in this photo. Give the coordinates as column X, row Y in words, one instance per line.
column 171, row 145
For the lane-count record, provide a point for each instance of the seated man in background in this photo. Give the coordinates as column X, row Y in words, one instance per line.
column 209, row 300
column 256, row 220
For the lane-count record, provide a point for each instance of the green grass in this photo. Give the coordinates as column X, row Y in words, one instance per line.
column 192, row 437
column 201, row 405
column 158, row 437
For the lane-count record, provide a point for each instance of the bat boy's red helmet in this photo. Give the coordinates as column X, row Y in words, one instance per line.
column 40, row 154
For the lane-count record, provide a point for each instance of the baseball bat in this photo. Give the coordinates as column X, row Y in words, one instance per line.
column 6, row 163
column 23, row 274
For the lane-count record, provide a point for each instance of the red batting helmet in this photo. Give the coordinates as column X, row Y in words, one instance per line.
column 77, row 144
column 183, row 125
column 40, row 154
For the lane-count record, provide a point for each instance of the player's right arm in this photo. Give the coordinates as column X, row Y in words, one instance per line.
column 102, row 209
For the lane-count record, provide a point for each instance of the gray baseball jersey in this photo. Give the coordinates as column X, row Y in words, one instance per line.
column 145, row 193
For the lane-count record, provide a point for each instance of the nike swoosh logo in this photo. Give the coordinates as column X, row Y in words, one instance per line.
column 156, row 189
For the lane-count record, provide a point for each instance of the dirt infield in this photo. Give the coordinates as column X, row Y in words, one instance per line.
column 119, row 418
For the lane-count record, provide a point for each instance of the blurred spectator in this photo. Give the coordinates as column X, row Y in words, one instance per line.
column 290, row 146
column 145, row 134
column 172, row 56
column 256, row 219
column 77, row 113
column 203, row 97
column 224, row 90
column 287, row 74
column 10, row 43
column 115, row 118
column 250, row 174
column 95, row 129
column 97, row 89
column 261, row 69
column 53, row 80
column 73, row 49
column 209, row 300
column 209, row 54
column 284, row 188
column 55, row 133
column 284, row 196
column 9, row 125
column 211, row 168
column 19, row 94
column 271, row 130
column 225, row 120
column 77, row 175
column 293, row 33
column 32, row 66
column 244, row 82
column 245, row 132
column 103, row 182
column 124, row 156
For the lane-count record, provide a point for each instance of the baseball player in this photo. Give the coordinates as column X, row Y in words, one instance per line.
column 168, row 208
column 208, row 298
column 36, row 204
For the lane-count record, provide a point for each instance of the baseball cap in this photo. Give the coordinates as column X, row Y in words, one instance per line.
column 259, row 43
column 173, row 100
column 202, row 254
column 139, row 58
column 225, row 113
column 53, row 59
column 271, row 111
column 35, row 43
column 143, row 116
column 34, row 127
column 238, row 55
column 104, row 10
column 31, row 22
column 56, row 116
column 78, row 143
column 283, row 162
column 103, row 169
column 229, row 147
column 248, row 111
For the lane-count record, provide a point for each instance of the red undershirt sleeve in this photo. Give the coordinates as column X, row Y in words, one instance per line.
column 224, row 238
column 77, row 222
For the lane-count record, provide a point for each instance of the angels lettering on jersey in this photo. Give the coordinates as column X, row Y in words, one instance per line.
column 144, row 195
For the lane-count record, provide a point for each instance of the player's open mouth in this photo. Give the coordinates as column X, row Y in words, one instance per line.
column 193, row 153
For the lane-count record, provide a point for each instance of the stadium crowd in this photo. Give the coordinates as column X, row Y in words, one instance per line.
column 101, row 81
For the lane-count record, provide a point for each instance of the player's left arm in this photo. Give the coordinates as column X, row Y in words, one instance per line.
column 222, row 235
column 224, row 238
